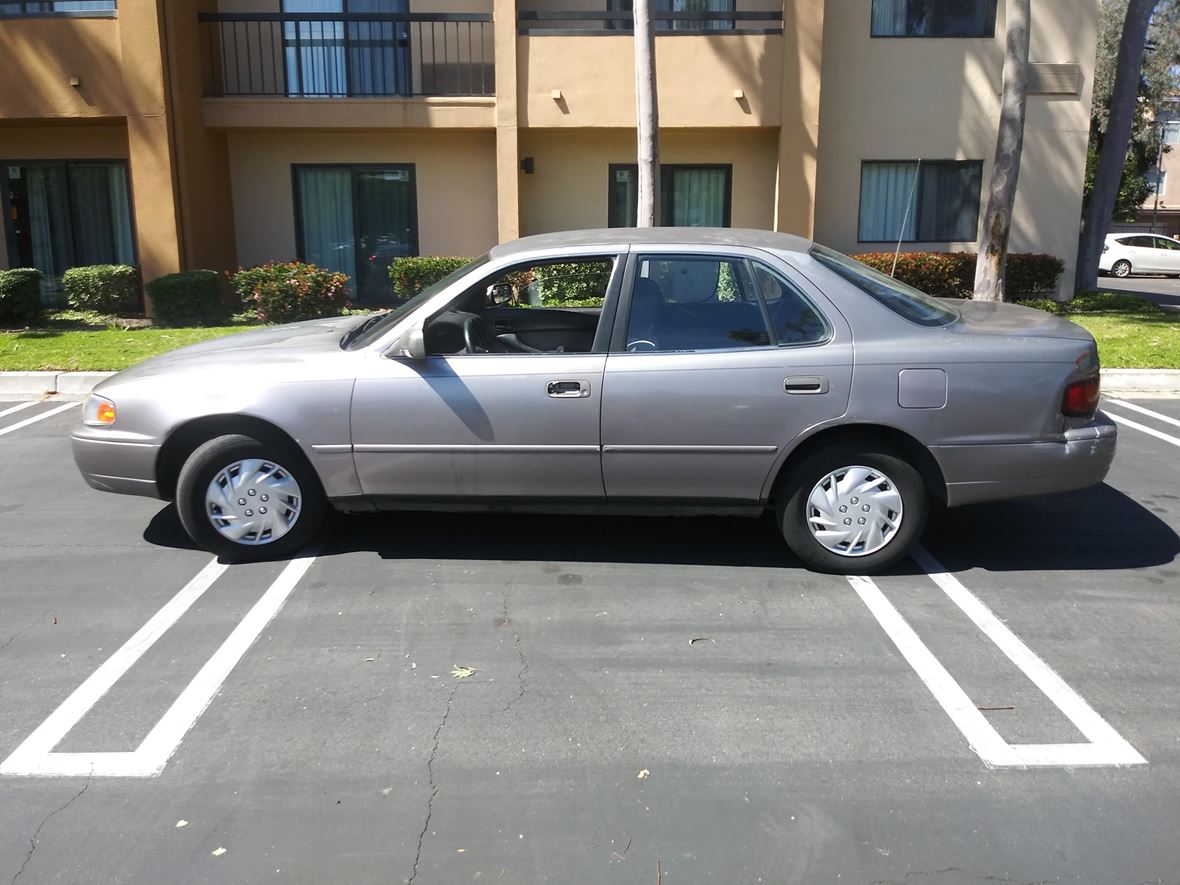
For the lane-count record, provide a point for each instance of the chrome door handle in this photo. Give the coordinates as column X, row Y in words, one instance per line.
column 568, row 389
column 806, row 384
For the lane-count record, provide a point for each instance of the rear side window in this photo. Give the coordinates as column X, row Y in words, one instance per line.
column 793, row 318
column 904, row 300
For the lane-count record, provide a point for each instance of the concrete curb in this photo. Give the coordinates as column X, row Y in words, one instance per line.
column 1123, row 381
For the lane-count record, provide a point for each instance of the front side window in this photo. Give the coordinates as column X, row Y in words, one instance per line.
column 690, row 196
column 56, row 7
column 357, row 220
column 904, row 300
column 681, row 303
column 1165, row 243
column 919, row 201
column 68, row 214
column 933, row 18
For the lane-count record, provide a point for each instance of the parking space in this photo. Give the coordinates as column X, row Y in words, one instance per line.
column 440, row 698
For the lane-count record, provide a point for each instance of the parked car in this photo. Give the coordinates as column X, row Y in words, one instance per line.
column 703, row 370
column 1125, row 254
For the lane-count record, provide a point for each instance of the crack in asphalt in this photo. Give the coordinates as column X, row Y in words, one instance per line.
column 916, row 873
column 522, row 673
column 433, row 785
column 11, row 639
column 41, row 826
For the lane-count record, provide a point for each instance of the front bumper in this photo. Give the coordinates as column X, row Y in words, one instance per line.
column 114, row 465
column 1081, row 458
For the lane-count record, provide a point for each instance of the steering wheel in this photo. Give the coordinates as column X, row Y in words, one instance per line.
column 641, row 345
column 475, row 335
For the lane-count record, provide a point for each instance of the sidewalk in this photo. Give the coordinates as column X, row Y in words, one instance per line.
column 1120, row 382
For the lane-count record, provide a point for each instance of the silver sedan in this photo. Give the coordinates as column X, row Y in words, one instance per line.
column 659, row 371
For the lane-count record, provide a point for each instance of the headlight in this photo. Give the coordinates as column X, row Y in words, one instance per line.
column 98, row 411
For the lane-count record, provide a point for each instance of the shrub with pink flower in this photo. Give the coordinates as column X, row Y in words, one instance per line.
column 286, row 292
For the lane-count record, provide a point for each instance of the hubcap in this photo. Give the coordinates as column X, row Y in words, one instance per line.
column 1122, row 269
column 854, row 511
column 253, row 502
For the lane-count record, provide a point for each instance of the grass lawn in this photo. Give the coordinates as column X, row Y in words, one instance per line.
column 1132, row 334
column 70, row 341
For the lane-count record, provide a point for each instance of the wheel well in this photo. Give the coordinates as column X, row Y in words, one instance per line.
column 874, row 435
column 187, row 438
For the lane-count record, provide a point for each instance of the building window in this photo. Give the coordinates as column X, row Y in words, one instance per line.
column 1159, row 183
column 919, row 201
column 357, row 220
column 690, row 196
column 708, row 7
column 57, row 7
column 1171, row 133
column 934, row 18
column 328, row 58
column 67, row 214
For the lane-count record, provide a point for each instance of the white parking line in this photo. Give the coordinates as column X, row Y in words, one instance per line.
column 18, row 408
column 1106, row 747
column 1159, row 416
column 19, row 424
column 1150, row 431
column 35, row 755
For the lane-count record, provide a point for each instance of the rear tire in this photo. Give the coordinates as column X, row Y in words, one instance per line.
column 1121, row 268
column 246, row 499
column 870, row 484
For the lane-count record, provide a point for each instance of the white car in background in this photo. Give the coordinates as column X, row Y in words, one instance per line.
column 1125, row 254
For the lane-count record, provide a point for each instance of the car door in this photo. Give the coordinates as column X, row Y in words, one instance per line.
column 1168, row 251
column 1142, row 254
column 486, row 426
column 719, row 360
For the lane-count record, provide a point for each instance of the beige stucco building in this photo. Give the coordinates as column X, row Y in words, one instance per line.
column 218, row 133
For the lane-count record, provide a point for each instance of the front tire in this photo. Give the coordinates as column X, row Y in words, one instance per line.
column 1121, row 268
column 246, row 499
column 852, row 509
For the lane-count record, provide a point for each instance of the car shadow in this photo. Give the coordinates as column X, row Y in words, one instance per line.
column 1096, row 529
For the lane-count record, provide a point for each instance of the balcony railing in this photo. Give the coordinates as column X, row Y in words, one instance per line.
column 345, row 55
column 671, row 17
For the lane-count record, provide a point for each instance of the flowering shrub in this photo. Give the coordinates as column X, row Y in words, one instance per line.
column 952, row 274
column 286, row 292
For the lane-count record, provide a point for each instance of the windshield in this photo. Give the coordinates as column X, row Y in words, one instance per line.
column 904, row 300
column 371, row 328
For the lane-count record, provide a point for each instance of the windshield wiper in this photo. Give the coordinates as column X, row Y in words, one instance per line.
column 360, row 327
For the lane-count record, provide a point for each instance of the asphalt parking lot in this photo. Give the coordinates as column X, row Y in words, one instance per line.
column 443, row 699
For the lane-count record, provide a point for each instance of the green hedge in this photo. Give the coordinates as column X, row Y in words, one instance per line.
column 411, row 275
column 105, row 288
column 572, row 285
column 190, row 298
column 952, row 274
column 286, row 292
column 20, row 295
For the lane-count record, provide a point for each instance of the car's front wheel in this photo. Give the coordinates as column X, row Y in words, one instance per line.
column 1121, row 268
column 852, row 509
column 247, row 499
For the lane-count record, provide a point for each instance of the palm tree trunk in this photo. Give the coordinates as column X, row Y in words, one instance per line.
column 997, row 219
column 1109, row 173
column 647, row 117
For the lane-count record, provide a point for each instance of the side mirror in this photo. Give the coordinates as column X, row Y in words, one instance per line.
column 499, row 293
column 411, row 345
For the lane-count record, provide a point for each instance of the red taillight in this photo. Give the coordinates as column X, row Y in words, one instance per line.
column 1081, row 398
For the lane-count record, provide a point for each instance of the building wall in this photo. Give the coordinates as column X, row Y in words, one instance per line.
column 455, row 174
column 570, row 186
column 938, row 98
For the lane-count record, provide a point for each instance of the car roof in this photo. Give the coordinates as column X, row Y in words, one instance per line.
column 654, row 236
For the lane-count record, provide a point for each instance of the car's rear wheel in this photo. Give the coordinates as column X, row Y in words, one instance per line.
column 1121, row 268
column 852, row 509
column 247, row 499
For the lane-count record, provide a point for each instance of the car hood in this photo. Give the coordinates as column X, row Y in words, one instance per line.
column 994, row 318
column 287, row 344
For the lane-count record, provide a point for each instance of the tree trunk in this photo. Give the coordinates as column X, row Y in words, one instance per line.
column 647, row 116
column 1109, row 173
column 997, row 219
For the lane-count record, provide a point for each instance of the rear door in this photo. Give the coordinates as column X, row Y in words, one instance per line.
column 1168, row 252
column 719, row 360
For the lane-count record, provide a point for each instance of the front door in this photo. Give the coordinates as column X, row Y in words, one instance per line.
column 724, row 361
column 507, row 405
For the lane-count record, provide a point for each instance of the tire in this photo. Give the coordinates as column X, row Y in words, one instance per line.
column 1121, row 268
column 901, row 499
column 282, row 476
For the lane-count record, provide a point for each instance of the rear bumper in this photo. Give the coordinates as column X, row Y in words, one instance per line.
column 1081, row 458
column 128, row 468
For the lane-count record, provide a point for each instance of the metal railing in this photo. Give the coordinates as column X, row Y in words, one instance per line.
column 346, row 55
column 546, row 22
